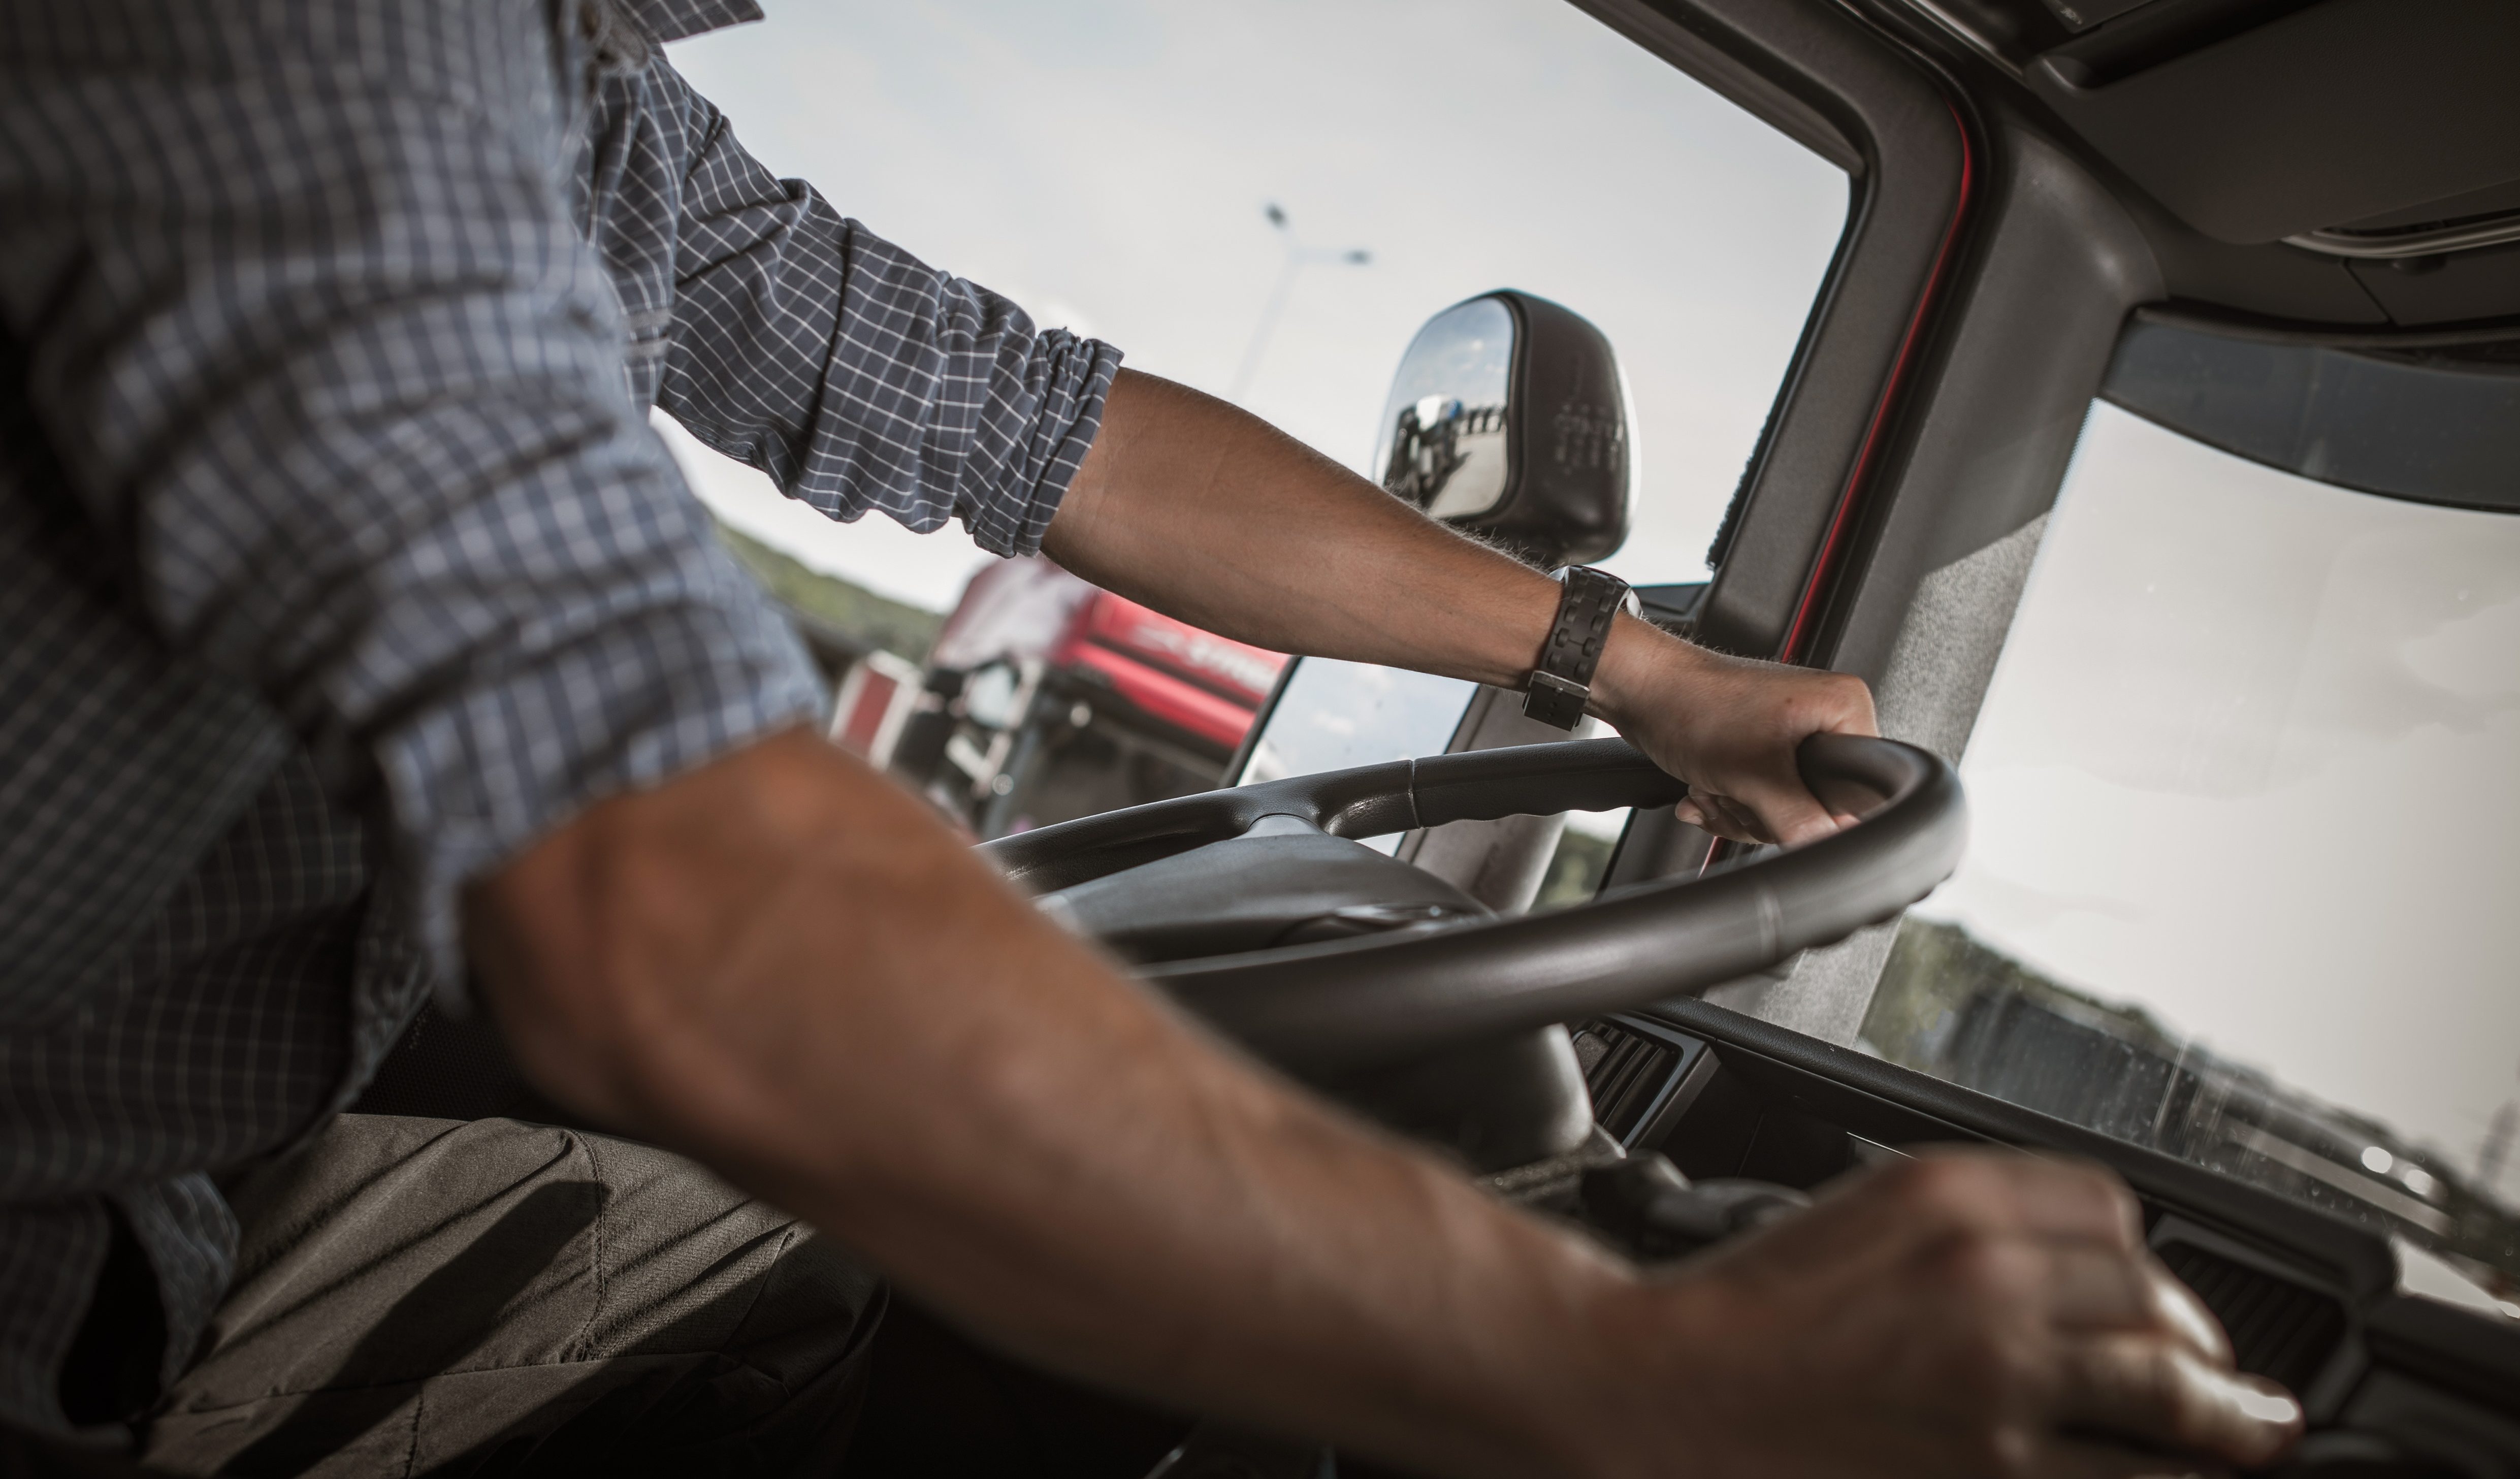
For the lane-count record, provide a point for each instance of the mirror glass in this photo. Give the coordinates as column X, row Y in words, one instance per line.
column 1443, row 431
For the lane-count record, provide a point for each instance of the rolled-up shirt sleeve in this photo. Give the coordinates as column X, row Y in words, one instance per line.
column 319, row 349
column 859, row 377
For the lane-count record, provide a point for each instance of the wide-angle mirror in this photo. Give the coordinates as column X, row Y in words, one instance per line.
column 1508, row 416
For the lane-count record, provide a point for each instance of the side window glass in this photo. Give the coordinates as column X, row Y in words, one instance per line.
column 1333, row 715
column 2246, row 837
column 1582, row 859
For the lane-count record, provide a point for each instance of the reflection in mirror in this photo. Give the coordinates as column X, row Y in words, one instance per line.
column 1443, row 444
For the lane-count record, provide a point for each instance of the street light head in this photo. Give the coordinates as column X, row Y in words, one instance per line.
column 1358, row 257
column 1276, row 214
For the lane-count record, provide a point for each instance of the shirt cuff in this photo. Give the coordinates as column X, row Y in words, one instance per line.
column 1069, row 380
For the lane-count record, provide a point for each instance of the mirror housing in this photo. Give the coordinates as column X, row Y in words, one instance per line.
column 1508, row 417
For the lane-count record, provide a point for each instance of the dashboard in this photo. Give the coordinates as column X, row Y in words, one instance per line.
column 2396, row 1385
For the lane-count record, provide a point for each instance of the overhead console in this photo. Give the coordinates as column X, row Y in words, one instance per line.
column 2395, row 1383
column 2378, row 140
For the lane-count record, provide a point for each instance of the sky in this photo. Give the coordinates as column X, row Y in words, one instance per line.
column 1106, row 164
column 2251, row 759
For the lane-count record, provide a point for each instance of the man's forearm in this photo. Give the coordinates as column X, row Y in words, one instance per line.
column 1211, row 516
column 783, row 966
column 1205, row 512
column 1208, row 513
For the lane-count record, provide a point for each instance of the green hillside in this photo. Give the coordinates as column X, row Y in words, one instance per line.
column 1951, row 1006
column 1937, row 968
column 835, row 615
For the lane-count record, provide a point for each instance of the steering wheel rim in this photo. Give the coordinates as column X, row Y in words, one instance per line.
column 1338, row 1006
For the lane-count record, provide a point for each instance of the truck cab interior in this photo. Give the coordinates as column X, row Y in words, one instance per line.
column 2286, row 231
column 2283, row 231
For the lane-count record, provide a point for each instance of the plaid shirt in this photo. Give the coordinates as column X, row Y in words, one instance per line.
column 337, row 560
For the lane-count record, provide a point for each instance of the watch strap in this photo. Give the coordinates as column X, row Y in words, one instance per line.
column 1561, row 683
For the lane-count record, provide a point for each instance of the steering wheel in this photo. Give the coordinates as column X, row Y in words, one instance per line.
column 1256, row 907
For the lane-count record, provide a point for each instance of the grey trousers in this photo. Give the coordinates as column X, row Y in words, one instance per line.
column 424, row 1296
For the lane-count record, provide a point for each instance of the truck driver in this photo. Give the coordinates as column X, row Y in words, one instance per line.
column 360, row 642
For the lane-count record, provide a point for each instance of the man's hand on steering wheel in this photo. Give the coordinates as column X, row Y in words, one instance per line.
column 1728, row 726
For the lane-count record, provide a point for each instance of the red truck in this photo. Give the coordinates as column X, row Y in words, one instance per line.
column 1046, row 698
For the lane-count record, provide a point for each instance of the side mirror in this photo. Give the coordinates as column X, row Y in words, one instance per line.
column 1507, row 417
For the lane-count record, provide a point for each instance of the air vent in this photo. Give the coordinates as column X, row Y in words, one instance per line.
column 2279, row 1330
column 1625, row 1072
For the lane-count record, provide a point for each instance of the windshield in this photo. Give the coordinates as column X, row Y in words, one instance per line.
column 2246, row 844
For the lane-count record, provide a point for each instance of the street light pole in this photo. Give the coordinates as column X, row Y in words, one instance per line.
column 1298, row 257
column 2498, row 1134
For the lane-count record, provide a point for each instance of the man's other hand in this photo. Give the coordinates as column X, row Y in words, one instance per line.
column 1954, row 1315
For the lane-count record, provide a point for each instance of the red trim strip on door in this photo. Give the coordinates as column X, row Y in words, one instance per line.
column 1847, row 500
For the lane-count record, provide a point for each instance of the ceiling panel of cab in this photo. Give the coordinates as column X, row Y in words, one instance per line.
column 2329, row 163
column 2335, row 114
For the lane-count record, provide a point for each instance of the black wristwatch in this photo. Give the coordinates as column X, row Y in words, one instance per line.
column 1562, row 684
